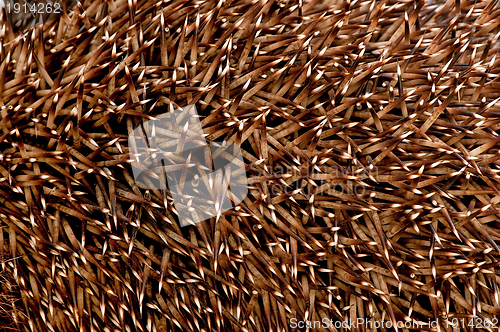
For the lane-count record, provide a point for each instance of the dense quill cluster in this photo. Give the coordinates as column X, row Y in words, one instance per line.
column 369, row 130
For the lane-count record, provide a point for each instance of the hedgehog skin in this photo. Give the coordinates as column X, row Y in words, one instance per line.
column 369, row 129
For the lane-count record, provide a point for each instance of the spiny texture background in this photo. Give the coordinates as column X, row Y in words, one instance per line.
column 369, row 129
